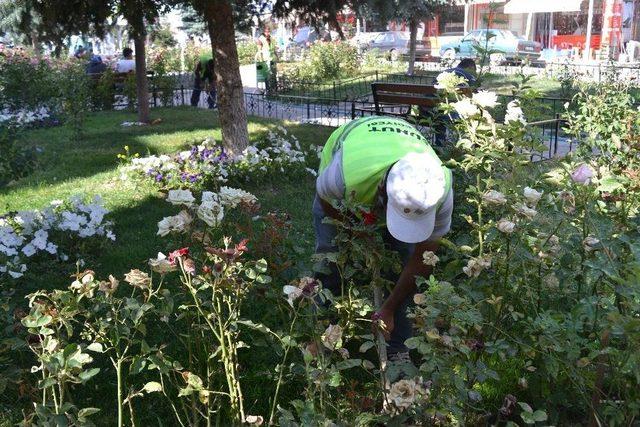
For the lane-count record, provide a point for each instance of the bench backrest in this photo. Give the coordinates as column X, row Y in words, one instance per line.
column 404, row 94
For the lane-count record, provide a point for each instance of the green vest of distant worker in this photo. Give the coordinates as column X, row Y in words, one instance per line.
column 204, row 58
column 370, row 146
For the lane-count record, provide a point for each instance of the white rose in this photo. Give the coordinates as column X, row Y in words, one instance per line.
column 485, row 99
column 211, row 212
column 514, row 113
column 449, row 81
column 180, row 197
column 465, row 108
column 176, row 223
column 506, row 226
column 532, row 196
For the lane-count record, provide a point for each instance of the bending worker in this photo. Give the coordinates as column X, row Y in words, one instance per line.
column 387, row 165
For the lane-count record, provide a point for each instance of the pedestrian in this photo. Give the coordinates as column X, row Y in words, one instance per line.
column 96, row 66
column 204, row 79
column 467, row 70
column 386, row 165
column 126, row 64
column 266, row 56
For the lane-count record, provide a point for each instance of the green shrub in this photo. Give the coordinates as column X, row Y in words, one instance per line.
column 247, row 52
column 26, row 82
column 326, row 61
column 74, row 96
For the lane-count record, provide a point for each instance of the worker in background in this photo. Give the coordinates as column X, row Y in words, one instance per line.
column 204, row 79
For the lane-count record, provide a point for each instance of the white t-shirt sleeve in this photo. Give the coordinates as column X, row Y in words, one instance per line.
column 443, row 218
column 330, row 183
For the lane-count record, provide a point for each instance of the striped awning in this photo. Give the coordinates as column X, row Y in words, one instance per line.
column 542, row 6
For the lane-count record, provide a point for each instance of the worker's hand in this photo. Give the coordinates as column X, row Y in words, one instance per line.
column 383, row 322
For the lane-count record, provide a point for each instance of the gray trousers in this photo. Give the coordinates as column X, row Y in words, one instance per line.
column 325, row 235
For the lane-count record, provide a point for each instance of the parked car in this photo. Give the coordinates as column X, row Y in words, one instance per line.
column 395, row 44
column 507, row 46
column 363, row 40
column 306, row 36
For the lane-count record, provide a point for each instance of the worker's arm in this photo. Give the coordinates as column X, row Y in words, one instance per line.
column 406, row 284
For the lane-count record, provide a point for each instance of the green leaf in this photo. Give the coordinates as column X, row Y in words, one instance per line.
column 540, row 415
column 87, row 375
column 152, row 386
column 348, row 364
column 257, row 326
column 37, row 321
column 251, row 273
column 95, row 347
column 87, row 412
column 264, row 279
column 366, row 346
column 261, row 266
column 525, row 407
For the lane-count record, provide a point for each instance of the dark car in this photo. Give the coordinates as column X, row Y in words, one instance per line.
column 395, row 44
column 505, row 46
column 306, row 36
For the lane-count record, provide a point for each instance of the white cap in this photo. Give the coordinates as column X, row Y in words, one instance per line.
column 415, row 185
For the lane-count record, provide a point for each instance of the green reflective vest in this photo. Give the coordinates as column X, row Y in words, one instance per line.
column 370, row 146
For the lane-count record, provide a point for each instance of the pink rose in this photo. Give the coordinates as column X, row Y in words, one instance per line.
column 582, row 175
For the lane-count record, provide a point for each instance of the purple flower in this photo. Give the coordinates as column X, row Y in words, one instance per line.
column 159, row 177
column 193, row 178
column 582, row 175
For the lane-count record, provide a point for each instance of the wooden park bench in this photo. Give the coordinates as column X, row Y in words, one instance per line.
column 398, row 99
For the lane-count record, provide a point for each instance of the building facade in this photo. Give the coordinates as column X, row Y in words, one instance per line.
column 557, row 24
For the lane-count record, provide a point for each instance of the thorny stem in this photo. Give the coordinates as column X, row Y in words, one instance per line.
column 281, row 373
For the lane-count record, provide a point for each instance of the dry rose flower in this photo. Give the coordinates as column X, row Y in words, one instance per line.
column 430, row 258
column 404, row 393
column 109, row 287
column 138, row 278
column 525, row 210
column 475, row 266
column 590, row 243
column 494, row 197
column 419, row 299
column 332, row 337
column 506, row 226
column 161, row 264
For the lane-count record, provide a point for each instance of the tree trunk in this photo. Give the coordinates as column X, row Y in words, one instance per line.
column 35, row 43
column 139, row 33
column 233, row 117
column 333, row 20
column 413, row 31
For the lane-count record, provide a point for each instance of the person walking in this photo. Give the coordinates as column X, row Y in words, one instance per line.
column 388, row 166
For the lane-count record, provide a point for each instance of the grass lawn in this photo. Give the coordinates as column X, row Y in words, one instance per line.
column 90, row 167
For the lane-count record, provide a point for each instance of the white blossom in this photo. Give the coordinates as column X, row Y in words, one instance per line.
column 465, row 108
column 449, row 81
column 532, row 196
column 180, row 197
column 429, row 258
column 505, row 226
column 485, row 99
column 514, row 113
column 475, row 266
column 211, row 212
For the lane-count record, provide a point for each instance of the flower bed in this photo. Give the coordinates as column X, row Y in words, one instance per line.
column 206, row 164
column 50, row 233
